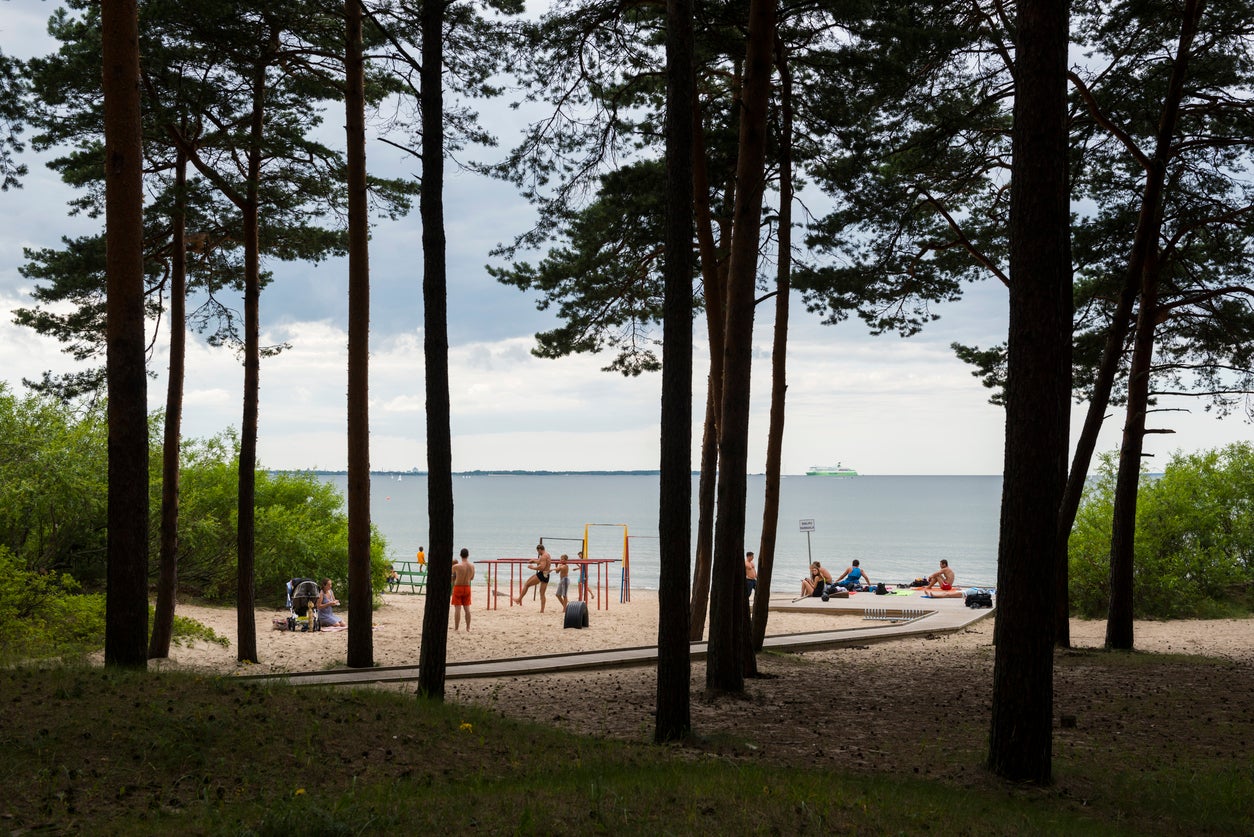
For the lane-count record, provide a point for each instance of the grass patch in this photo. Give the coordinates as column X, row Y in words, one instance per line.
column 153, row 753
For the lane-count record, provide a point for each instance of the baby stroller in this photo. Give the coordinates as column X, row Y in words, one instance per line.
column 302, row 600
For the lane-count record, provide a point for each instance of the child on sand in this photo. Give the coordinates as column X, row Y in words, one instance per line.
column 563, row 579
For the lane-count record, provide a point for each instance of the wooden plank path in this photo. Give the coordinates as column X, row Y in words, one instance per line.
column 940, row 616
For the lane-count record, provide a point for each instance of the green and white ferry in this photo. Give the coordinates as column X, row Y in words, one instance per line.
column 836, row 470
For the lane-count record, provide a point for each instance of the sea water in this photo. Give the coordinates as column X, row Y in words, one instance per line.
column 898, row 527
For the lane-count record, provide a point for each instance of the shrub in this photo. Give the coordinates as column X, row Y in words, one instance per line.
column 52, row 485
column 301, row 528
column 45, row 615
column 1194, row 552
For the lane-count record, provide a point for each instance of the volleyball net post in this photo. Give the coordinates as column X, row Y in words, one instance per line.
column 624, row 587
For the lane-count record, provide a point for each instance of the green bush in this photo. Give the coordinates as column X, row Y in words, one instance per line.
column 45, row 614
column 53, row 470
column 53, row 507
column 301, row 528
column 1194, row 553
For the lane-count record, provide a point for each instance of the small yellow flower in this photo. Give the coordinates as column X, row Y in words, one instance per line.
column 299, row 792
column 465, row 727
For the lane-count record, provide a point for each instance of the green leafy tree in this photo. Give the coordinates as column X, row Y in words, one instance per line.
column 46, row 614
column 12, row 115
column 729, row 623
column 589, row 168
column 1159, row 140
column 302, row 528
column 1194, row 538
column 256, row 83
column 53, row 487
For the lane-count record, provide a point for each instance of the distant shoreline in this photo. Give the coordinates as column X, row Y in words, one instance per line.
column 494, row 473
column 505, row 472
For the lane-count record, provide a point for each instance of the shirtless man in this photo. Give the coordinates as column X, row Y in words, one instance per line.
column 751, row 575
column 563, row 580
column 943, row 578
column 463, row 572
column 542, row 564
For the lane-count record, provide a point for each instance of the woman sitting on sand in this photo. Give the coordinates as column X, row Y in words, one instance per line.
column 326, row 616
column 817, row 582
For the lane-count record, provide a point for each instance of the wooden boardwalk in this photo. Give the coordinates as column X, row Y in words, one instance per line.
column 890, row 617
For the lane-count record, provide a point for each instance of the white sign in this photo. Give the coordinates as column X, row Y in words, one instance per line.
column 807, row 525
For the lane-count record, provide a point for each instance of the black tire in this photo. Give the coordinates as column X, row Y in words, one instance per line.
column 576, row 615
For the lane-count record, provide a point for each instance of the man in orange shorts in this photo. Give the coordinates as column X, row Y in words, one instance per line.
column 463, row 572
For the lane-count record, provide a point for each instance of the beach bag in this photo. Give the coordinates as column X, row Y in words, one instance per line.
column 978, row 598
column 881, row 589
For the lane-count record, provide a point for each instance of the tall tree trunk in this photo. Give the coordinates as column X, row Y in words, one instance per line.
column 779, row 358
column 1119, row 633
column 1083, row 456
column 167, row 579
column 707, row 484
column 728, row 608
column 674, row 668
column 126, row 597
column 1144, row 255
column 433, row 656
column 713, row 281
column 360, row 592
column 246, row 621
column 1037, row 399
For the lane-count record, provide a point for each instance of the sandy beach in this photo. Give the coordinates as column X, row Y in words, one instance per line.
column 525, row 631
column 495, row 634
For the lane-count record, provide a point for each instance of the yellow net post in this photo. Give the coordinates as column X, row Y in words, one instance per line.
column 624, row 590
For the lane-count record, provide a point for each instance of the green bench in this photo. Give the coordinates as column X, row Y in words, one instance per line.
column 411, row 573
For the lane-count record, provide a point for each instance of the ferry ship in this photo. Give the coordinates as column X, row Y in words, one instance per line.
column 836, row 470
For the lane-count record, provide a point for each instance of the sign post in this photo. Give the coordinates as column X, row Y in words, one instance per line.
column 807, row 526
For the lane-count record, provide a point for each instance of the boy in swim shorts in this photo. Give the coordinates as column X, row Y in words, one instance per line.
column 563, row 580
column 463, row 572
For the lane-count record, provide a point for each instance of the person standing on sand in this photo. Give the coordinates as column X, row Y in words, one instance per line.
column 583, row 579
column 563, row 580
column 751, row 575
column 463, row 572
column 542, row 565
column 943, row 578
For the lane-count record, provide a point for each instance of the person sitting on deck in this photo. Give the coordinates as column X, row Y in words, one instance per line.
column 853, row 578
column 942, row 578
column 817, row 583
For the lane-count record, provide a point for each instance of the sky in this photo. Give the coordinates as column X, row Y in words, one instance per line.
column 881, row 405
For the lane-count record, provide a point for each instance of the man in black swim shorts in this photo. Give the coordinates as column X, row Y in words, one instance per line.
column 541, row 565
